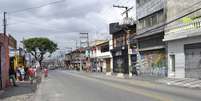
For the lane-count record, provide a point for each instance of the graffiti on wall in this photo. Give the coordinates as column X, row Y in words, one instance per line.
column 154, row 63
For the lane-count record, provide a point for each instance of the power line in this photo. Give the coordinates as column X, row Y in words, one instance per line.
column 126, row 9
column 20, row 21
column 34, row 25
column 36, row 7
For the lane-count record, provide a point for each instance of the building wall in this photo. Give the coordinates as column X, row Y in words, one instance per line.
column 175, row 9
column 183, row 25
column 181, row 32
column 4, row 60
column 102, row 56
column 147, row 7
column 176, row 48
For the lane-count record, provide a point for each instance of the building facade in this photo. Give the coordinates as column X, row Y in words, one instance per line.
column 183, row 37
column 120, row 39
column 98, row 56
column 104, row 57
column 5, row 43
column 152, row 55
column 75, row 60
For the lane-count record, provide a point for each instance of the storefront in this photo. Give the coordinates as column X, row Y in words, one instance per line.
column 120, row 60
column 153, row 55
column 184, row 56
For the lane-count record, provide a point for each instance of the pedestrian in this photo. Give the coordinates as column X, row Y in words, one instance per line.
column 26, row 73
column 31, row 74
column 35, row 71
column 18, row 74
column 45, row 72
column 22, row 73
column 12, row 76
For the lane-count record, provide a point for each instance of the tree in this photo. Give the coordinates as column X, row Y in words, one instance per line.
column 38, row 47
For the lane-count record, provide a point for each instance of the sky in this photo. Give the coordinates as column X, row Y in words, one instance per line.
column 62, row 21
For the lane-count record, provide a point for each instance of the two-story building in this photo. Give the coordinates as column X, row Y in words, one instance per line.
column 104, row 56
column 151, row 48
column 99, row 56
column 75, row 59
column 183, row 37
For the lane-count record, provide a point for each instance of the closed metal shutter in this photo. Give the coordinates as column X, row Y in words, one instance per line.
column 193, row 61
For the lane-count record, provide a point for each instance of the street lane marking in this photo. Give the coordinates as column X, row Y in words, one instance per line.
column 126, row 88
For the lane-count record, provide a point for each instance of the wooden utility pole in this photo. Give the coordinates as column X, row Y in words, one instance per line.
column 124, row 7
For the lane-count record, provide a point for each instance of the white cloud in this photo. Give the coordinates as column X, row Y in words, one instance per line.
column 60, row 22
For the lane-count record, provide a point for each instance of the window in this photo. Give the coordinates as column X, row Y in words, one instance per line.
column 151, row 20
column 105, row 48
column 119, row 40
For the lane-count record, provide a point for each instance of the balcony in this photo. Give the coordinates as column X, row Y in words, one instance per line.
column 183, row 30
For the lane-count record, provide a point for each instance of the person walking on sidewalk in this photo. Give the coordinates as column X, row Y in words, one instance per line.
column 31, row 74
column 12, row 76
column 45, row 72
column 22, row 72
column 18, row 74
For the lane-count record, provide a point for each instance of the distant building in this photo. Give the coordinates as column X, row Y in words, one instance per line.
column 96, row 55
column 75, row 60
column 103, row 56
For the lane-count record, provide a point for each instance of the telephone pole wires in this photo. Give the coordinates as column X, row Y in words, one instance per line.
column 127, row 9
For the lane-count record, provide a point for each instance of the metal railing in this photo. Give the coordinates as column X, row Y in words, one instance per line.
column 184, row 27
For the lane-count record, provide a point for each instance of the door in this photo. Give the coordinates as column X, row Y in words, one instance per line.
column 172, row 62
column 193, row 61
column 108, row 69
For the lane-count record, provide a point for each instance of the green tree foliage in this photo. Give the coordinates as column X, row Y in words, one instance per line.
column 38, row 47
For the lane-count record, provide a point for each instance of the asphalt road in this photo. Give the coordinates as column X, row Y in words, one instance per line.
column 69, row 86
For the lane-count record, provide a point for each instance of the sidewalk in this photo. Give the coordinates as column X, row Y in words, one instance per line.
column 185, row 82
column 23, row 92
column 182, row 82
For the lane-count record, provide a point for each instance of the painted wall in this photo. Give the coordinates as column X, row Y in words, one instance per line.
column 177, row 48
column 154, row 62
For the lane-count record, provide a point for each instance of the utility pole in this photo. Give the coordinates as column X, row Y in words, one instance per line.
column 127, row 9
column 4, row 24
column 84, row 43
